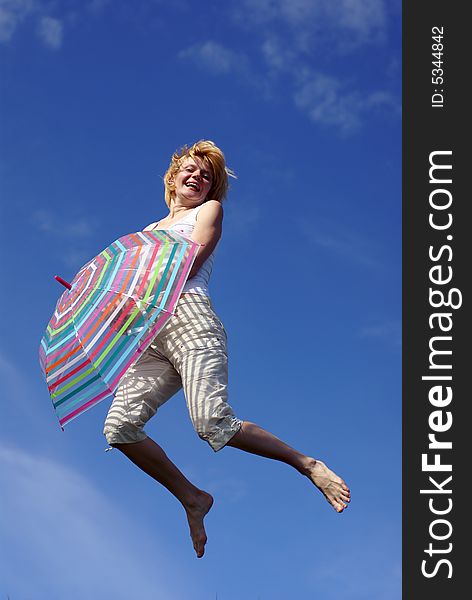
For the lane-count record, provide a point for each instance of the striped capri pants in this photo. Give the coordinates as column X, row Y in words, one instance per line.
column 190, row 352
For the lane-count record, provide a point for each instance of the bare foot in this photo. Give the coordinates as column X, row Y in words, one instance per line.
column 196, row 512
column 331, row 486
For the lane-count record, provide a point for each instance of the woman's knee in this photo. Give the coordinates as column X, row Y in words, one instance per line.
column 123, row 433
column 218, row 432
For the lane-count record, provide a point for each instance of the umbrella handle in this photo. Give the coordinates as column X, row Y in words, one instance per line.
column 64, row 283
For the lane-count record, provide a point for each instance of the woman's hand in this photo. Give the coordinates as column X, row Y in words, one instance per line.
column 207, row 231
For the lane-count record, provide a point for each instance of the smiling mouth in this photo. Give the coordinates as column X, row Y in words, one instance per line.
column 193, row 186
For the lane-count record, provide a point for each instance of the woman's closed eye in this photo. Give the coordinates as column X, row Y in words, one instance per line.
column 206, row 176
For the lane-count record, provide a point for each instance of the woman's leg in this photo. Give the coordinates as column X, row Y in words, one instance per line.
column 152, row 459
column 146, row 387
column 203, row 367
column 252, row 438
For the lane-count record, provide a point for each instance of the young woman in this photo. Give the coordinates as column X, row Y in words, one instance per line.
column 190, row 352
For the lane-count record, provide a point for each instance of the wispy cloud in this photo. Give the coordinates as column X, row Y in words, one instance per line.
column 363, row 19
column 20, row 389
column 12, row 15
column 341, row 241
column 277, row 55
column 326, row 100
column 293, row 31
column 97, row 6
column 13, row 383
column 70, row 539
column 390, row 331
column 215, row 58
column 73, row 227
column 346, row 577
column 226, row 487
column 320, row 96
column 71, row 233
column 286, row 35
column 50, row 31
column 75, row 258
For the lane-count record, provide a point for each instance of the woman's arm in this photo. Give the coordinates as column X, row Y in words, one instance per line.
column 207, row 231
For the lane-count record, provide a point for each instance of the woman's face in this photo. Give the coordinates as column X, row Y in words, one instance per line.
column 193, row 181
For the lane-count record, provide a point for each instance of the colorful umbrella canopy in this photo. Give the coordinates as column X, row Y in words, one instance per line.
column 116, row 305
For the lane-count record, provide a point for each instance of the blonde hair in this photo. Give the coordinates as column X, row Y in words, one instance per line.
column 214, row 159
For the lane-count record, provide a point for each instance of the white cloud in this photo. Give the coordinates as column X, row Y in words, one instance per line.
column 341, row 242
column 226, row 487
column 390, row 331
column 72, row 227
column 51, row 31
column 360, row 18
column 97, row 6
column 11, row 376
column 214, row 57
column 277, row 55
column 75, row 258
column 321, row 98
column 326, row 100
column 294, row 13
column 70, row 234
column 70, row 539
column 12, row 14
column 361, row 573
column 289, row 34
column 20, row 395
column 13, row 382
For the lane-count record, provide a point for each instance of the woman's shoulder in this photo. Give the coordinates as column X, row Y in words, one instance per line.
column 151, row 226
column 210, row 209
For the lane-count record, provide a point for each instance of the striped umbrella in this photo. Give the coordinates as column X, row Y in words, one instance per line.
column 110, row 313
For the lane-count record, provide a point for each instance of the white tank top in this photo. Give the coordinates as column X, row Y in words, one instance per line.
column 198, row 284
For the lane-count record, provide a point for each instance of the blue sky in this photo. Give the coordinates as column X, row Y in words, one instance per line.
column 304, row 97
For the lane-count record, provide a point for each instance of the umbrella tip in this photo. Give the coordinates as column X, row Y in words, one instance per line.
column 64, row 283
